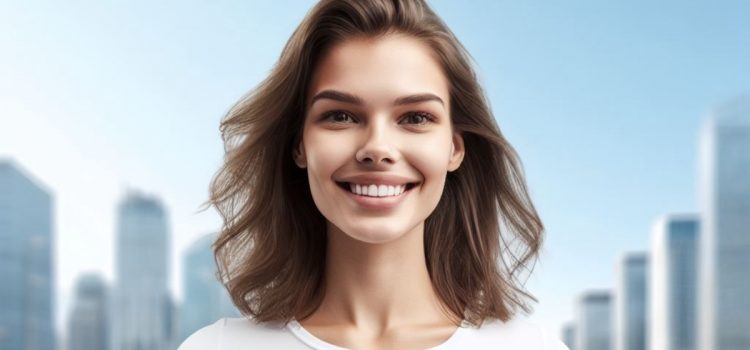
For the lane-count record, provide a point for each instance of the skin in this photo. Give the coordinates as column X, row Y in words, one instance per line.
column 378, row 290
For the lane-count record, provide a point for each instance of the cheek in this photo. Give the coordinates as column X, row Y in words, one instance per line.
column 324, row 156
column 431, row 160
column 430, row 157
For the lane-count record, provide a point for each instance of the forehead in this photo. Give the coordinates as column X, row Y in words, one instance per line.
column 380, row 69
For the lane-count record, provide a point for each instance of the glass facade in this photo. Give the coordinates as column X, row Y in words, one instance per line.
column 594, row 315
column 142, row 306
column 88, row 325
column 724, row 305
column 631, row 302
column 26, row 270
column 569, row 335
column 674, row 279
column 206, row 300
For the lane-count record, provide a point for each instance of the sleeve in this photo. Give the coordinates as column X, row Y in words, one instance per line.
column 206, row 338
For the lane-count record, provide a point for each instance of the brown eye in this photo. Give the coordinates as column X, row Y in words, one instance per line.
column 338, row 116
column 419, row 118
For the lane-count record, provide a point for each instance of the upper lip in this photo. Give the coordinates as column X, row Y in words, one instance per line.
column 377, row 179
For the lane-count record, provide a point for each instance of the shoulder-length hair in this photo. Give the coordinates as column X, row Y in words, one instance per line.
column 271, row 249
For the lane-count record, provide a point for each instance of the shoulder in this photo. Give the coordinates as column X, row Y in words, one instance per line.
column 204, row 338
column 517, row 333
column 239, row 333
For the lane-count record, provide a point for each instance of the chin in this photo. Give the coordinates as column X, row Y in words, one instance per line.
column 376, row 234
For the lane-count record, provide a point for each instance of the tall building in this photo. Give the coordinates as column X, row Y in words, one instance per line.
column 594, row 321
column 724, row 305
column 569, row 335
column 631, row 302
column 26, row 263
column 674, row 283
column 142, row 306
column 88, row 326
column 206, row 300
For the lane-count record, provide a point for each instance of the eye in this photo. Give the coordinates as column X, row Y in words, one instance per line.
column 419, row 118
column 337, row 116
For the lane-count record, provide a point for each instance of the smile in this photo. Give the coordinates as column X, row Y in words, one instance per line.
column 375, row 190
column 370, row 197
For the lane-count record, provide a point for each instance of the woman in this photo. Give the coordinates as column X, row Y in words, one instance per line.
column 363, row 191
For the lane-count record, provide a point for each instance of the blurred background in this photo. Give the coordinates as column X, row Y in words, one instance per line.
column 632, row 120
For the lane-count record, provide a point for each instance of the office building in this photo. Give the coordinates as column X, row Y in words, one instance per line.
column 88, row 325
column 206, row 300
column 26, row 261
column 569, row 335
column 142, row 304
column 594, row 320
column 631, row 302
column 674, row 276
column 724, row 258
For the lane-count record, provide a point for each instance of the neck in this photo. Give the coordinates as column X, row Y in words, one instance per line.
column 378, row 286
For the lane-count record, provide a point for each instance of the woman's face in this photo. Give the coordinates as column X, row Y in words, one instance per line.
column 377, row 118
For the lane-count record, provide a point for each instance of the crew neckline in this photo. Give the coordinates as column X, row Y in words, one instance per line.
column 308, row 338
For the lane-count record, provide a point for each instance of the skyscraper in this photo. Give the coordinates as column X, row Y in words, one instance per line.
column 88, row 326
column 674, row 249
column 569, row 335
column 724, row 305
column 594, row 320
column 26, row 263
column 206, row 300
column 142, row 306
column 631, row 302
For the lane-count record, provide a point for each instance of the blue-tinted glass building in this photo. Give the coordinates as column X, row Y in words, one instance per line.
column 724, row 292
column 205, row 298
column 674, row 282
column 569, row 335
column 142, row 308
column 26, row 262
column 88, row 325
column 594, row 320
column 631, row 302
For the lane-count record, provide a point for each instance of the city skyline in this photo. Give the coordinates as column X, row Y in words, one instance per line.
column 603, row 104
column 723, row 144
column 687, row 292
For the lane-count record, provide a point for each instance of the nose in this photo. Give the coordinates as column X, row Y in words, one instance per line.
column 378, row 148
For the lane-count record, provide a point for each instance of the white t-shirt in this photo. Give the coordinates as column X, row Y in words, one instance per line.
column 242, row 333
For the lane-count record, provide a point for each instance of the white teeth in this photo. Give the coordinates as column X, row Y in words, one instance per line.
column 377, row 191
column 382, row 190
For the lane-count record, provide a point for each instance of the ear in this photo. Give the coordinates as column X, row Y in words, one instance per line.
column 298, row 154
column 457, row 152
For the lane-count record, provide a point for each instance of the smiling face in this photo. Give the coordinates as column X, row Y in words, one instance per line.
column 377, row 114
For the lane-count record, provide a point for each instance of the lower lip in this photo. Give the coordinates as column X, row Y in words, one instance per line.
column 378, row 203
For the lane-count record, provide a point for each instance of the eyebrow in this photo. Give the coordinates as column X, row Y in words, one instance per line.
column 354, row 99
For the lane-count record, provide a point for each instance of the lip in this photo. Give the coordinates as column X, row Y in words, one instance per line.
column 377, row 203
column 378, row 179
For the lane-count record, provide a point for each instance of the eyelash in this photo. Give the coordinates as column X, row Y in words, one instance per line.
column 428, row 117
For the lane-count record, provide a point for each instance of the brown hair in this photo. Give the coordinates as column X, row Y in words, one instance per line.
column 272, row 247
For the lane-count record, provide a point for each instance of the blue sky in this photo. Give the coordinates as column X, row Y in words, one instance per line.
column 602, row 100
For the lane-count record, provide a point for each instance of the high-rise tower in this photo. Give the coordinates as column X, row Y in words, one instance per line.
column 26, row 263
column 142, row 305
column 724, row 282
